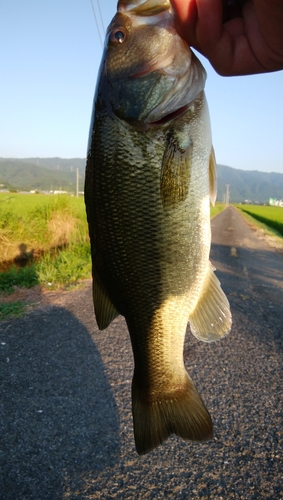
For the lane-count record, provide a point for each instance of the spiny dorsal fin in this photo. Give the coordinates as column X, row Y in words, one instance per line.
column 212, row 177
column 105, row 312
column 211, row 319
column 175, row 173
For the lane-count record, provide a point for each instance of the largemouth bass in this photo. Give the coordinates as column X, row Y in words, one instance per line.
column 150, row 176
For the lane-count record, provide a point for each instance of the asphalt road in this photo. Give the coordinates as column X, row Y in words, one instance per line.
column 66, row 425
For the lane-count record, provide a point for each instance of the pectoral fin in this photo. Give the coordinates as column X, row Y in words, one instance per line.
column 105, row 311
column 175, row 173
column 211, row 318
column 212, row 177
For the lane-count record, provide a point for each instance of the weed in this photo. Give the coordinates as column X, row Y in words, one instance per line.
column 218, row 207
column 12, row 309
column 67, row 267
column 25, row 277
column 39, row 223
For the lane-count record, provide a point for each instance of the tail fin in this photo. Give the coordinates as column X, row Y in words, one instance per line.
column 182, row 413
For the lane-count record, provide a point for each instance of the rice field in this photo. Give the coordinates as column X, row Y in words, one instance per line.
column 270, row 216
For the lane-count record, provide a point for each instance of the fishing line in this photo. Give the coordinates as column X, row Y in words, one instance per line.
column 96, row 22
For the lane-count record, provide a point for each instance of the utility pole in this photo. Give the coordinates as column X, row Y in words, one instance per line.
column 227, row 197
column 77, row 184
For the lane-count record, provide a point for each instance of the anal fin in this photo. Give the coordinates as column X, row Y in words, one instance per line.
column 105, row 311
column 211, row 319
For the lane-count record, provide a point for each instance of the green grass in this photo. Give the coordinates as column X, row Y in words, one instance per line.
column 25, row 277
column 62, row 268
column 272, row 217
column 13, row 202
column 218, row 207
column 12, row 309
column 66, row 268
column 51, row 234
column 33, row 223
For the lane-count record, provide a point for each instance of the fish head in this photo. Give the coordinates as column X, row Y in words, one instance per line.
column 148, row 72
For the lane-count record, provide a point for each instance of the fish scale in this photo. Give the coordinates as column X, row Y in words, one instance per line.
column 147, row 195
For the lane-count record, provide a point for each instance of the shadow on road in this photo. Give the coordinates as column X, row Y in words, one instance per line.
column 58, row 417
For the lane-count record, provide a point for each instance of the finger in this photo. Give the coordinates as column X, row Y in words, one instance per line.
column 185, row 18
column 209, row 22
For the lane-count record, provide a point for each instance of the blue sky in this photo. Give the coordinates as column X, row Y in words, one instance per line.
column 49, row 58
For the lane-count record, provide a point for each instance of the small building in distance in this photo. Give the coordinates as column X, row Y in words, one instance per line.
column 275, row 203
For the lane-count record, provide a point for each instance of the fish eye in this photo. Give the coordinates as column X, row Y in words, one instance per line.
column 117, row 36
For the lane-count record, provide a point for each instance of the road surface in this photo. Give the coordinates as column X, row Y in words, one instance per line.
column 66, row 425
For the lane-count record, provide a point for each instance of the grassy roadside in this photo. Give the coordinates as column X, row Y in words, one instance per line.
column 218, row 207
column 33, row 224
column 43, row 241
column 65, row 270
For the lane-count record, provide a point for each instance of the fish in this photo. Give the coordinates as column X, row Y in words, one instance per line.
column 150, row 177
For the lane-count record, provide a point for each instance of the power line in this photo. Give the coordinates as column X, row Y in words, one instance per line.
column 96, row 22
column 101, row 18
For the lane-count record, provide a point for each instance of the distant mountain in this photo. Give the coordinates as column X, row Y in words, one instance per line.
column 249, row 185
column 56, row 163
column 46, row 174
column 43, row 174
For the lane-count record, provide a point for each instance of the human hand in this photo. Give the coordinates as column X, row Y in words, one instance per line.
column 237, row 37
